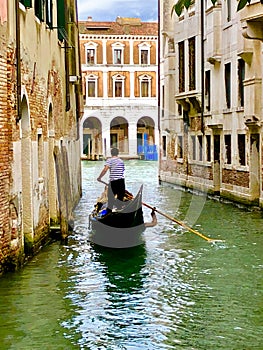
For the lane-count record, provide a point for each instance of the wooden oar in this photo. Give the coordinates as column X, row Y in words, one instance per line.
column 176, row 221
column 182, row 224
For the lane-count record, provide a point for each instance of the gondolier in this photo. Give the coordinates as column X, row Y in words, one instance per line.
column 117, row 180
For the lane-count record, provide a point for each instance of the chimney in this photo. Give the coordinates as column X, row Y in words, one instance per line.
column 89, row 19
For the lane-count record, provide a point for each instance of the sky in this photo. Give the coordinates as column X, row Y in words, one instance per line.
column 108, row 10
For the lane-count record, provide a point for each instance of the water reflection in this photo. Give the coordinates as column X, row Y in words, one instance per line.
column 176, row 291
column 122, row 267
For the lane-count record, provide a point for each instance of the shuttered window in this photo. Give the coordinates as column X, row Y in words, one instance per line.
column 61, row 19
column 26, row 3
column 39, row 9
column 49, row 17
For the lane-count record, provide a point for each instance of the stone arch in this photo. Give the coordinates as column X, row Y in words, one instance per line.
column 146, row 131
column 52, row 183
column 26, row 169
column 92, row 138
column 119, row 127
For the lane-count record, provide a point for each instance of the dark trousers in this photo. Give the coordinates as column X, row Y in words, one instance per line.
column 116, row 187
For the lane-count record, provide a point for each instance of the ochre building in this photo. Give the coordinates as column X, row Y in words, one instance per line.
column 119, row 62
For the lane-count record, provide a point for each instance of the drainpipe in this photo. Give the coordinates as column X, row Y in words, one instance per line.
column 18, row 62
column 202, row 67
column 159, row 89
column 78, row 88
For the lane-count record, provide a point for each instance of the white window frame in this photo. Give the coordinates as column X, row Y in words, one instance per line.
column 118, row 78
column 145, row 78
column 117, row 46
column 91, row 78
column 144, row 47
column 91, row 46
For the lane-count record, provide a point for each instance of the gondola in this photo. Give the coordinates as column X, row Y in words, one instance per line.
column 120, row 228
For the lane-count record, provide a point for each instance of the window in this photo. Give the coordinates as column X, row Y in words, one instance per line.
column 144, row 53
column 241, row 77
column 200, row 147
column 208, row 148
column 118, row 86
column 43, row 10
column 242, row 149
column 164, row 148
column 217, row 148
column 228, row 149
column 180, row 110
column 163, row 98
column 117, row 53
column 40, row 152
column 61, row 19
column 91, row 50
column 193, row 144
column 117, row 56
column 90, row 56
column 207, row 91
column 228, row 84
column 144, row 56
column 180, row 147
column 26, row 3
column 145, row 86
column 39, row 9
column 228, row 10
column 91, row 85
column 191, row 43
column 181, row 67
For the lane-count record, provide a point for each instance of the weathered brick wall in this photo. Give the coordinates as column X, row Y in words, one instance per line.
column 201, row 171
column 5, row 136
column 234, row 177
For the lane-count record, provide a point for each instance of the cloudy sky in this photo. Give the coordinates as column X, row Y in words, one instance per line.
column 108, row 10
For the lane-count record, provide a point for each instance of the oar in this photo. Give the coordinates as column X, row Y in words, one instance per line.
column 175, row 220
column 182, row 224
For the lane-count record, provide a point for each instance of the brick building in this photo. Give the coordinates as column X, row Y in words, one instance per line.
column 211, row 99
column 119, row 73
column 40, row 108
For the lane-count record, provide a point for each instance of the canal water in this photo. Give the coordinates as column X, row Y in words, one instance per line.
column 176, row 291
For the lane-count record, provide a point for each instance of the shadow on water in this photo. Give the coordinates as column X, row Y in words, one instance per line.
column 122, row 267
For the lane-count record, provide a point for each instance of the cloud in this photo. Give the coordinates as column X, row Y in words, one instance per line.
column 108, row 10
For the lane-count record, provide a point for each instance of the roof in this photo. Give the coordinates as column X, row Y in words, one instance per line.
column 122, row 26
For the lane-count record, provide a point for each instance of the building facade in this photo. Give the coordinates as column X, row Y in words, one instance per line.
column 119, row 73
column 40, row 109
column 211, row 99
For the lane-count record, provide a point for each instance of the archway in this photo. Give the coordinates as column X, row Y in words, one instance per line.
column 119, row 134
column 26, row 165
column 52, row 183
column 92, row 138
column 145, row 131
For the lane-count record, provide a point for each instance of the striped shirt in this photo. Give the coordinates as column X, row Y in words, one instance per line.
column 116, row 166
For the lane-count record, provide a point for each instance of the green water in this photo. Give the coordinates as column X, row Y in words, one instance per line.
column 177, row 291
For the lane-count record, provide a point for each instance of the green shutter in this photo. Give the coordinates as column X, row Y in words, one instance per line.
column 26, row 3
column 39, row 9
column 61, row 20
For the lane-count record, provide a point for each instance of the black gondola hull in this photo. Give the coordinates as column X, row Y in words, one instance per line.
column 119, row 229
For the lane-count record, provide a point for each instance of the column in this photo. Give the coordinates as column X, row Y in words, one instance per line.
column 132, row 85
column 132, row 139
column 131, row 52
column 105, row 84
